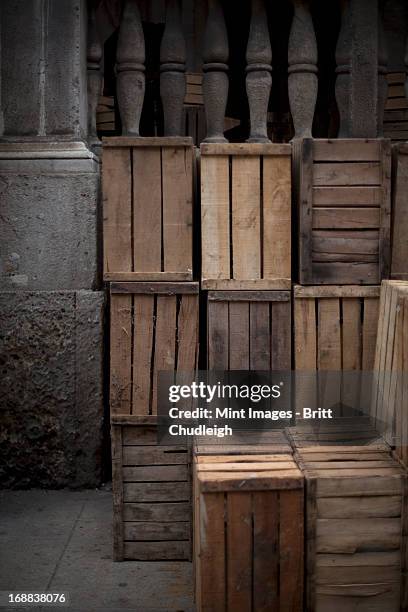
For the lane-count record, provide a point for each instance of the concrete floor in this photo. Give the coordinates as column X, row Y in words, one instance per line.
column 60, row 542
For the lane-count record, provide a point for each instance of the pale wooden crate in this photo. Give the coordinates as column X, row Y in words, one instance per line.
column 151, row 493
column 390, row 392
column 355, row 514
column 335, row 329
column 344, row 205
column 153, row 327
column 147, row 186
column 249, row 330
column 399, row 256
column 245, row 216
column 248, row 533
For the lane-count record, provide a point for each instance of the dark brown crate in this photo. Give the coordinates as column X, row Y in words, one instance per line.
column 344, row 206
column 151, row 493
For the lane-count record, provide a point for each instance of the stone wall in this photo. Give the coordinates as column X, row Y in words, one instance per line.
column 51, row 303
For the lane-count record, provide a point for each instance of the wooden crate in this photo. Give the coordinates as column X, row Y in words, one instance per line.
column 349, row 431
column 343, row 195
column 335, row 329
column 151, row 493
column 354, row 520
column 245, row 216
column 147, row 188
column 153, row 327
column 248, row 533
column 399, row 257
column 390, row 393
column 249, row 330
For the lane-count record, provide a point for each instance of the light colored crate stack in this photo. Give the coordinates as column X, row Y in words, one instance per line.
column 148, row 209
column 390, row 392
column 248, row 533
column 344, row 206
column 355, row 533
column 335, row 328
column 249, row 330
column 151, row 493
column 399, row 256
column 396, row 110
column 153, row 327
column 246, row 216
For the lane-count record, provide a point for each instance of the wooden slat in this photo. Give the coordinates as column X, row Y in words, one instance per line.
column 347, row 150
column 385, row 230
column 359, row 507
column 151, row 141
column 348, row 173
column 155, row 492
column 281, row 336
column 154, row 288
column 246, row 296
column 399, row 265
column 160, row 532
column 246, row 216
column 354, row 245
column 117, row 493
column 121, row 354
column 117, row 223
column 339, row 291
column 154, row 455
column 305, row 209
column 347, row 196
column 157, row 551
column 238, row 339
column 147, row 219
column 165, row 341
column 232, row 284
column 350, row 273
column 329, row 339
column 160, row 512
column 370, row 325
column 305, row 334
column 239, row 551
column 276, row 226
column 266, row 592
column 215, row 214
column 238, row 148
column 212, row 552
column 177, row 204
column 143, row 322
column 291, row 546
column 153, row 473
column 159, row 277
column 218, row 331
column 187, row 328
column 346, row 218
column 349, row 535
column 259, row 336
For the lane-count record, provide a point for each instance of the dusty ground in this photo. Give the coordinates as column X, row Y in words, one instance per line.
column 60, row 541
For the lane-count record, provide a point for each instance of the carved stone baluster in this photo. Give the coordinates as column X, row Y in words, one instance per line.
column 130, row 68
column 1, row 107
column 382, row 76
column 258, row 79
column 302, row 57
column 215, row 67
column 94, row 56
column 343, row 70
column 172, row 70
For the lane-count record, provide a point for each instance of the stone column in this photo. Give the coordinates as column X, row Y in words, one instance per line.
column 172, row 70
column 130, row 68
column 215, row 68
column 51, row 309
column 343, row 70
column 302, row 59
column 258, row 77
column 94, row 57
column 382, row 76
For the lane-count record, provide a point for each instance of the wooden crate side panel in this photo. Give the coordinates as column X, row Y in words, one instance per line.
column 117, row 222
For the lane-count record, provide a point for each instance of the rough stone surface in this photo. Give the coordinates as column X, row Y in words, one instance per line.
column 48, row 219
column 44, row 67
column 51, row 371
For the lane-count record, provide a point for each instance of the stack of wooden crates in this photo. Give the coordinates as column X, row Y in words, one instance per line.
column 354, row 489
column 248, row 498
column 148, row 262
